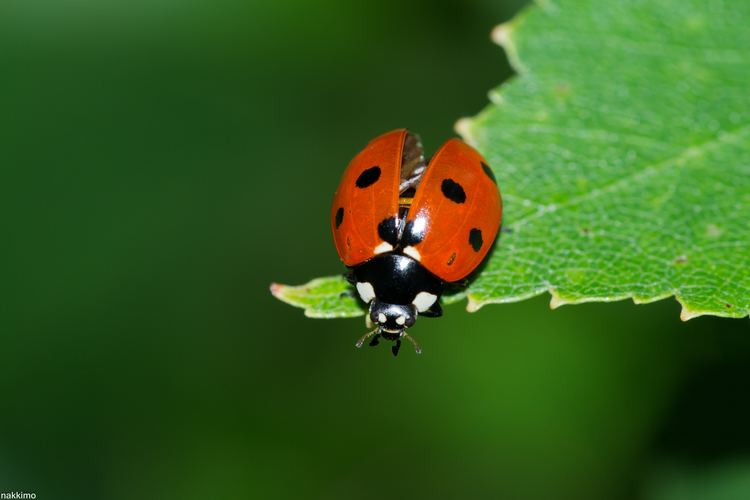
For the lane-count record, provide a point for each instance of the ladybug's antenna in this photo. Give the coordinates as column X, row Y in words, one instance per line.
column 395, row 347
column 413, row 342
column 365, row 337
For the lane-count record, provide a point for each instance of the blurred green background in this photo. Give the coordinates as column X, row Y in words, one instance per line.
column 163, row 161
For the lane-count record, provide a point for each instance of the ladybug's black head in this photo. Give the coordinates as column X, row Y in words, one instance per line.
column 392, row 320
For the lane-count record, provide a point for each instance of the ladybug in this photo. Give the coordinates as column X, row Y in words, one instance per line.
column 406, row 227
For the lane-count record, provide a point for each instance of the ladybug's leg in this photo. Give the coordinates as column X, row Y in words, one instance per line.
column 375, row 341
column 396, row 347
column 435, row 311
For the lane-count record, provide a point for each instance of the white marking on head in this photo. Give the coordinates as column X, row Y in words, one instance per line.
column 401, row 320
column 366, row 291
column 424, row 301
column 381, row 318
column 383, row 248
column 413, row 253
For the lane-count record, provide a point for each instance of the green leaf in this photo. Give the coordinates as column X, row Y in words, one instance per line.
column 623, row 154
column 330, row 297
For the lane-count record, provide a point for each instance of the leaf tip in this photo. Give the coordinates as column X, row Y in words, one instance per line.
column 556, row 300
column 495, row 97
column 504, row 34
column 463, row 127
column 686, row 314
column 281, row 292
column 501, row 35
column 276, row 289
column 473, row 305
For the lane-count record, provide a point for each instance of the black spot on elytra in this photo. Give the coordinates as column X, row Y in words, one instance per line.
column 368, row 177
column 453, row 191
column 388, row 230
column 489, row 172
column 411, row 235
column 339, row 216
column 475, row 239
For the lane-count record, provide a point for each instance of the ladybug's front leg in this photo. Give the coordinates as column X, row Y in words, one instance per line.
column 395, row 347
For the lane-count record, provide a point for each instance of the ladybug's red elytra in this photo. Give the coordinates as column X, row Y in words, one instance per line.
column 406, row 227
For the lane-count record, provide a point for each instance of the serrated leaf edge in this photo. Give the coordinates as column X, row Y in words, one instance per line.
column 503, row 35
column 557, row 300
